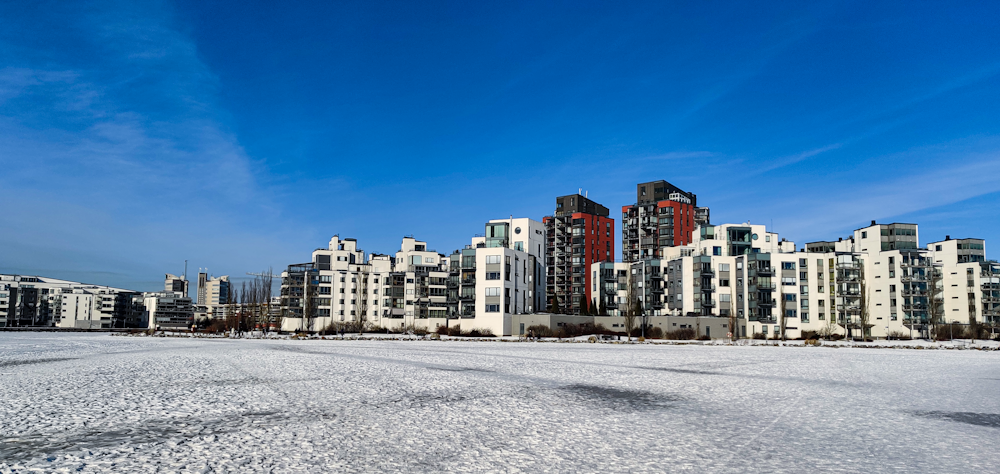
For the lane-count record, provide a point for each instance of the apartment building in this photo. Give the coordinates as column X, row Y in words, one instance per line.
column 37, row 301
column 168, row 310
column 341, row 285
column 662, row 216
column 577, row 235
column 176, row 284
column 212, row 290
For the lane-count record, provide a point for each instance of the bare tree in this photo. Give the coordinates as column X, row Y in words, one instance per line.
column 782, row 303
column 732, row 316
column 934, row 310
column 632, row 304
column 361, row 318
column 864, row 311
column 307, row 307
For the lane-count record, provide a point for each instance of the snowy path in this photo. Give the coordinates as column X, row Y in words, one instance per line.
column 101, row 403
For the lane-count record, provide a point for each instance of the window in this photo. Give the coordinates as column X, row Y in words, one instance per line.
column 822, row 316
column 790, row 313
column 492, row 259
column 788, row 265
column 805, row 317
column 864, row 235
column 802, row 262
column 492, row 275
column 492, row 308
column 493, row 291
column 716, row 250
column 724, row 298
column 723, row 267
column 892, row 260
column 723, row 282
column 763, row 330
column 937, row 248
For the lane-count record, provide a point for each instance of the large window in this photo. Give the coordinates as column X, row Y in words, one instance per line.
column 492, row 275
column 493, row 291
column 492, row 308
column 492, row 259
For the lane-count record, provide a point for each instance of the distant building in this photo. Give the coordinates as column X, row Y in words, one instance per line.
column 168, row 310
column 176, row 284
column 212, row 290
column 36, row 301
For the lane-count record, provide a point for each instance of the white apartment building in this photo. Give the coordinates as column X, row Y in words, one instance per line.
column 744, row 270
column 28, row 300
column 344, row 287
column 168, row 310
column 212, row 290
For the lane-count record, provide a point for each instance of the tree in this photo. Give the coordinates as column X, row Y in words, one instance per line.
column 782, row 315
column 554, row 305
column 602, row 309
column 361, row 318
column 732, row 316
column 584, row 307
column 934, row 310
column 631, row 305
column 865, row 311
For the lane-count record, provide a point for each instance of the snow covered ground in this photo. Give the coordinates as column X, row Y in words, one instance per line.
column 94, row 402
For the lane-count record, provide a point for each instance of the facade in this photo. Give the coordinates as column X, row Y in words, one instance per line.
column 577, row 235
column 663, row 216
column 212, row 290
column 878, row 282
column 36, row 301
column 342, row 286
column 176, row 284
column 168, row 310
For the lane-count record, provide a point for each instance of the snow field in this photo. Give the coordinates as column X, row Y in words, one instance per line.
column 95, row 403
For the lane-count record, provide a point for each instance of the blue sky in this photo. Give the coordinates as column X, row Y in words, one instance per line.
column 240, row 135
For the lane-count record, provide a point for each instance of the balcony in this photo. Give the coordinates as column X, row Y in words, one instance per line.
column 765, row 271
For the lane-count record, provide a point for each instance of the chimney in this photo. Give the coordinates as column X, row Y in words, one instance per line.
column 840, row 239
column 947, row 237
column 873, row 221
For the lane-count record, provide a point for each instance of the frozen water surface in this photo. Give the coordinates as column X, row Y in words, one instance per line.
column 101, row 403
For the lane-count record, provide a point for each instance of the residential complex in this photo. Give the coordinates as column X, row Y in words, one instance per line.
column 677, row 271
column 38, row 301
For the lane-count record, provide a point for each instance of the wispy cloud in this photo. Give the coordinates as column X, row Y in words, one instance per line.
column 136, row 140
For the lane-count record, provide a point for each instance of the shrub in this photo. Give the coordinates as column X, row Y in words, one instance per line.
column 654, row 333
column 455, row 330
column 807, row 335
column 898, row 335
column 680, row 335
column 484, row 332
column 539, row 330
column 441, row 331
column 704, row 337
column 946, row 332
column 758, row 335
column 568, row 330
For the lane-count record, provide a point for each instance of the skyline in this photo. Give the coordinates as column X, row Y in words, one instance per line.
column 135, row 137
